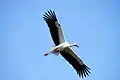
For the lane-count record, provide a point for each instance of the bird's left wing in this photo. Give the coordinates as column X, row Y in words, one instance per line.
column 54, row 27
column 76, row 62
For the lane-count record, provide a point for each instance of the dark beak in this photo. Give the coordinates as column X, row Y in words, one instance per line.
column 77, row 46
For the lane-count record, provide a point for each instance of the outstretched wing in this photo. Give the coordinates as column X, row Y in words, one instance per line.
column 54, row 27
column 81, row 69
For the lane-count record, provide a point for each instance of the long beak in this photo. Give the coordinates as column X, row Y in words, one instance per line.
column 77, row 46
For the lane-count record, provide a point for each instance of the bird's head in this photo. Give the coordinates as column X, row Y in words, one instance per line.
column 75, row 44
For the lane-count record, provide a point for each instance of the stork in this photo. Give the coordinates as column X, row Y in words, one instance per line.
column 62, row 46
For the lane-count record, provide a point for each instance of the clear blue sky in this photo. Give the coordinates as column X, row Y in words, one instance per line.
column 24, row 38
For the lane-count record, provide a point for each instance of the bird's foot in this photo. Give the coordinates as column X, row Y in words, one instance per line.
column 46, row 54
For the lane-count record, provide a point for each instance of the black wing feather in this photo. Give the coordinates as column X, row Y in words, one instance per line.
column 50, row 19
column 81, row 69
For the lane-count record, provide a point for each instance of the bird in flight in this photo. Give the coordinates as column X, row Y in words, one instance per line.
column 62, row 46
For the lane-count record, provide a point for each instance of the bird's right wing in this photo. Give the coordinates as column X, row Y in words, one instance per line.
column 76, row 62
column 60, row 33
column 54, row 27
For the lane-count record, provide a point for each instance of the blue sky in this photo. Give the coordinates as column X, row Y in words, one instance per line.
column 93, row 24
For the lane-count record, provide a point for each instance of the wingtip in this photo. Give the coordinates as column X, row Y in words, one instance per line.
column 49, row 15
column 84, row 72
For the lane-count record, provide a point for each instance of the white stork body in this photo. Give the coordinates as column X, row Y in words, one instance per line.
column 62, row 46
column 56, row 50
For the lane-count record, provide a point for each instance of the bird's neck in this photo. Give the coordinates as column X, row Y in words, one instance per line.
column 71, row 45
